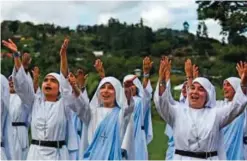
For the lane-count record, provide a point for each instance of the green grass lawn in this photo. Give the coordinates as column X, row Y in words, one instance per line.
column 158, row 146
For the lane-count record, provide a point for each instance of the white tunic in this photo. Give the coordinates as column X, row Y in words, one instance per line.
column 92, row 117
column 18, row 135
column 197, row 130
column 245, row 134
column 49, row 119
column 4, row 113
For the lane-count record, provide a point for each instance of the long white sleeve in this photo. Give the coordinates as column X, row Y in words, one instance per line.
column 230, row 111
column 163, row 105
column 80, row 105
column 22, row 87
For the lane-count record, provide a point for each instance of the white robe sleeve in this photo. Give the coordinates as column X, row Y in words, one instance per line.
column 22, row 87
column 127, row 129
column 230, row 111
column 80, row 105
column 163, row 105
column 147, row 104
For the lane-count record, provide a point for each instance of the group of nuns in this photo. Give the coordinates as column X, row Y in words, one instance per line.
column 116, row 124
column 65, row 125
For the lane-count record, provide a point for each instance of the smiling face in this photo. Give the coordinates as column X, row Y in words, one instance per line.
column 197, row 96
column 50, row 86
column 229, row 91
column 107, row 95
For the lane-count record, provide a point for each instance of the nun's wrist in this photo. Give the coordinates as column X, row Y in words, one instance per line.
column 146, row 75
column 16, row 54
column 162, row 83
column 189, row 77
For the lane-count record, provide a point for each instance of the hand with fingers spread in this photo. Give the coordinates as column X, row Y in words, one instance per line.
column 243, row 74
column 240, row 68
column 81, row 78
column 36, row 74
column 195, row 71
column 10, row 45
column 147, row 65
column 99, row 68
column 73, row 82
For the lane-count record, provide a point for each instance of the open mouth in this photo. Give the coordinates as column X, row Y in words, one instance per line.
column 48, row 88
column 194, row 98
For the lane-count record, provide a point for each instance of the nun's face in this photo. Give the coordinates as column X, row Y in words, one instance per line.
column 229, row 91
column 50, row 86
column 184, row 91
column 130, row 84
column 107, row 95
column 197, row 96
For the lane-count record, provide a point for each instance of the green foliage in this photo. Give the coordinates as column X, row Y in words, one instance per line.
column 231, row 15
column 124, row 47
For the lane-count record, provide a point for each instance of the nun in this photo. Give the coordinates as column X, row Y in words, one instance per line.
column 51, row 129
column 168, row 129
column 234, row 132
column 141, row 99
column 196, row 124
column 107, row 117
column 148, row 90
column 4, row 112
column 18, row 124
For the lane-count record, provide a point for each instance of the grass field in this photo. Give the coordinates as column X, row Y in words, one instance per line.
column 158, row 146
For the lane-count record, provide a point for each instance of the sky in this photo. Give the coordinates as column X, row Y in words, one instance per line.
column 155, row 14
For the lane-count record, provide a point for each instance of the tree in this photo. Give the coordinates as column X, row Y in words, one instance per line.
column 231, row 15
column 14, row 26
column 202, row 30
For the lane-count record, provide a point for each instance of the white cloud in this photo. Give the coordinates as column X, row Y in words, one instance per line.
column 156, row 14
column 103, row 18
column 214, row 28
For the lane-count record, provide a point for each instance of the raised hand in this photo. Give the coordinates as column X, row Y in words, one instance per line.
column 10, row 45
column 26, row 60
column 243, row 71
column 63, row 58
column 168, row 68
column 128, row 93
column 99, row 68
column 36, row 74
column 81, row 78
column 73, row 82
column 64, row 47
column 147, row 65
column 188, row 68
column 195, row 71
column 162, row 70
column 240, row 68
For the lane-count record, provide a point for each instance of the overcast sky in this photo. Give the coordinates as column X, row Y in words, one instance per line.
column 156, row 14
